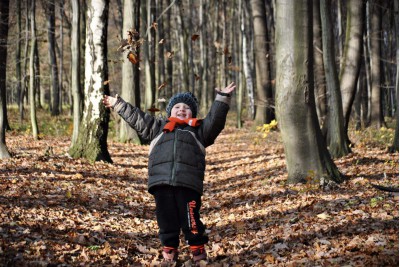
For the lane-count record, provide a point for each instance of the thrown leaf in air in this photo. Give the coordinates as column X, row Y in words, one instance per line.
column 162, row 86
column 226, row 50
column 123, row 44
column 170, row 54
column 133, row 58
column 106, row 82
column 154, row 25
column 195, row 37
column 153, row 109
column 162, row 41
column 196, row 77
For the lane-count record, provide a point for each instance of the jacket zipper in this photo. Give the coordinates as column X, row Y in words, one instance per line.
column 174, row 163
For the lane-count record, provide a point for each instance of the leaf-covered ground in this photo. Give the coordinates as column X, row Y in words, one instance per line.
column 56, row 211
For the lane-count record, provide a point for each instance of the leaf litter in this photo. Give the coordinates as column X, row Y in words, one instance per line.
column 55, row 210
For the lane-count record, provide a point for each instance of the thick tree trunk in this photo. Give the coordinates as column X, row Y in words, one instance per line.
column 336, row 137
column 352, row 56
column 76, row 69
column 92, row 139
column 129, row 74
column 4, row 14
column 264, row 110
column 32, row 102
column 307, row 157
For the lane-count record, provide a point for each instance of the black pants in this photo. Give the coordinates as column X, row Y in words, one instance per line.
column 178, row 208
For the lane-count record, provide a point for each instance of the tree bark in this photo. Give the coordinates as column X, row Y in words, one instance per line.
column 4, row 14
column 247, row 70
column 307, row 158
column 352, row 56
column 92, row 139
column 129, row 74
column 264, row 110
column 375, row 36
column 76, row 69
column 32, row 102
column 55, row 89
column 336, row 137
column 319, row 72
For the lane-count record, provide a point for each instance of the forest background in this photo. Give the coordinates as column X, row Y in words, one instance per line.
column 148, row 50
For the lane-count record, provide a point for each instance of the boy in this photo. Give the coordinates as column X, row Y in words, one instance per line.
column 177, row 164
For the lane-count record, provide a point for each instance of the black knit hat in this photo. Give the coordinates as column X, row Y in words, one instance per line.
column 188, row 98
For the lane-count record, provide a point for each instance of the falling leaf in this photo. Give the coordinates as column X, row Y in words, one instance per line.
column 133, row 58
column 154, row 25
column 106, row 82
column 170, row 54
column 196, row 77
column 161, row 41
column 226, row 50
column 195, row 37
column 229, row 60
column 153, row 109
column 161, row 100
column 162, row 86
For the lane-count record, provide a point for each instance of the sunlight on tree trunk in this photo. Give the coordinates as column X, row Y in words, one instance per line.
column 32, row 102
column 307, row 158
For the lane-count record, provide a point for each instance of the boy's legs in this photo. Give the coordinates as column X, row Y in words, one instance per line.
column 189, row 202
column 167, row 214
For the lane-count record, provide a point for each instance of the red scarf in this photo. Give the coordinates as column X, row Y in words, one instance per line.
column 173, row 122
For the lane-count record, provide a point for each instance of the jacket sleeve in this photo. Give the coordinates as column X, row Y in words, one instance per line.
column 214, row 122
column 146, row 125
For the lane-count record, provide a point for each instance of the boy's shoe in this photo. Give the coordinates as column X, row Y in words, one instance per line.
column 170, row 254
column 199, row 253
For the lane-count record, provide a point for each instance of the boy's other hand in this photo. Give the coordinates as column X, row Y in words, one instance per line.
column 227, row 90
column 109, row 101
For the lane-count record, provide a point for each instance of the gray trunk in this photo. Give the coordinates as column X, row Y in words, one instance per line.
column 129, row 75
column 307, row 158
column 352, row 56
column 76, row 69
column 35, row 130
column 336, row 136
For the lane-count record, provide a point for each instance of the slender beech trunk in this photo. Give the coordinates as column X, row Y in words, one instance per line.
column 336, row 137
column 352, row 57
column 127, row 133
column 32, row 102
column 76, row 69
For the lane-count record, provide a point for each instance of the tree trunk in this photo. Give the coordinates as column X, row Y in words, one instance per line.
column 307, row 157
column 76, row 69
column 129, row 74
column 60, row 85
column 319, row 72
column 336, row 137
column 264, row 111
column 18, row 55
column 24, row 68
column 4, row 14
column 55, row 89
column 92, row 138
column 32, row 102
column 352, row 56
column 375, row 36
column 246, row 62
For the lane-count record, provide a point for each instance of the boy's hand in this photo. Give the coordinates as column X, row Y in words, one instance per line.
column 109, row 101
column 227, row 90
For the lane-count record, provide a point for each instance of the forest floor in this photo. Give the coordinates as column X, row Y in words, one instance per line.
column 57, row 211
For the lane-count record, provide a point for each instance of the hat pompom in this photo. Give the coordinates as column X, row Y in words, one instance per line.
column 188, row 98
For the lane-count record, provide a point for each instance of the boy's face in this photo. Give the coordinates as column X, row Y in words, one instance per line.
column 181, row 111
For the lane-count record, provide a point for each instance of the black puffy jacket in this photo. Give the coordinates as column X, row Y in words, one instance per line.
column 176, row 158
